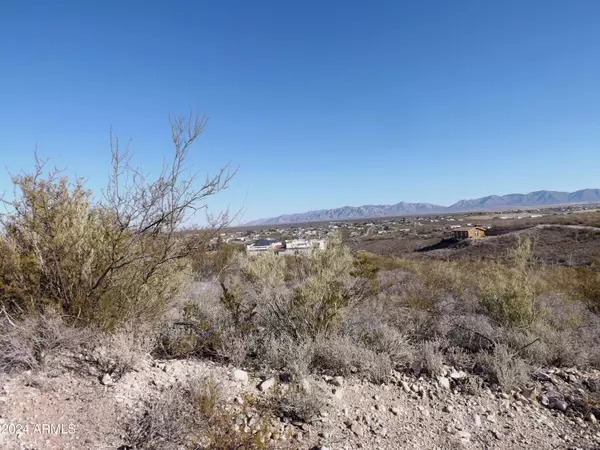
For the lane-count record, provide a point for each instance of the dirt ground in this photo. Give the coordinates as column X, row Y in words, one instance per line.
column 410, row 412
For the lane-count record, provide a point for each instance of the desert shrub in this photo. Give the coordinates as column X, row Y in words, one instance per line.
column 299, row 404
column 189, row 416
column 340, row 355
column 386, row 340
column 587, row 288
column 28, row 343
column 503, row 367
column 282, row 352
column 105, row 260
column 510, row 293
column 433, row 282
column 473, row 332
column 203, row 325
column 309, row 299
column 432, row 357
column 123, row 350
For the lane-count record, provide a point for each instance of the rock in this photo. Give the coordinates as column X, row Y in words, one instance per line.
column 591, row 418
column 448, row 408
column 560, row 405
column 395, row 410
column 107, row 380
column 416, row 367
column 267, row 384
column 240, row 375
column 464, row 435
column 497, row 434
column 405, row 386
column 383, row 431
column 457, row 375
column 477, row 420
column 357, row 429
column 337, row 393
column 444, row 382
column 337, row 381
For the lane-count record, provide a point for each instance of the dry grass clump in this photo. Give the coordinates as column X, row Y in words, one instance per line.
column 503, row 367
column 29, row 343
column 341, row 355
column 432, row 357
column 190, row 416
column 287, row 354
column 297, row 403
column 123, row 350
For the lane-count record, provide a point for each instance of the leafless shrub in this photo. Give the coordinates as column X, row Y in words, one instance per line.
column 340, row 355
column 432, row 357
column 27, row 344
column 386, row 340
column 504, row 368
column 297, row 404
column 191, row 416
column 124, row 350
column 282, row 352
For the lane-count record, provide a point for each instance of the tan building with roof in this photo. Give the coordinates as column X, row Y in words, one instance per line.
column 468, row 233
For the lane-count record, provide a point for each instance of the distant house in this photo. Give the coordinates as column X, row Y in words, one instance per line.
column 468, row 233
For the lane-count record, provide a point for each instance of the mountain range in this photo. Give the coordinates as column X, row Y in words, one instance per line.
column 489, row 203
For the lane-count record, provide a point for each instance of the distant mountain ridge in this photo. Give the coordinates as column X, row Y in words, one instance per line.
column 491, row 202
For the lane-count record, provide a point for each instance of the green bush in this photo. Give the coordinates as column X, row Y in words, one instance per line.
column 108, row 260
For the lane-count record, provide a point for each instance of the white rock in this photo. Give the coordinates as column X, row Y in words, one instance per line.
column 337, row 393
column 107, row 380
column 267, row 384
column 305, row 385
column 337, row 381
column 395, row 410
column 444, row 382
column 240, row 375
column 457, row 375
column 464, row 435
column 477, row 420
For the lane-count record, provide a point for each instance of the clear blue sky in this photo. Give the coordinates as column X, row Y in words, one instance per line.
column 321, row 103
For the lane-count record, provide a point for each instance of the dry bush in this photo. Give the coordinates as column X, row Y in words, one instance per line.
column 503, row 367
column 340, row 355
column 433, row 282
column 326, row 283
column 105, row 260
column 384, row 339
column 29, row 343
column 123, row 350
column 282, row 352
column 473, row 332
column 298, row 404
column 586, row 286
column 432, row 357
column 191, row 416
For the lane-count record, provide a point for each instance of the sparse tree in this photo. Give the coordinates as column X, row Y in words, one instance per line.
column 115, row 259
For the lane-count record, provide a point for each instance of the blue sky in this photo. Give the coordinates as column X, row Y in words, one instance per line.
column 320, row 103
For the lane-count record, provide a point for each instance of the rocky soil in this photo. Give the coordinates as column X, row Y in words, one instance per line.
column 83, row 409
